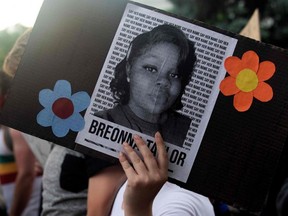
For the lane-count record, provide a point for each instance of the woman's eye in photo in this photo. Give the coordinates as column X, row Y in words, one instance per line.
column 150, row 69
column 175, row 75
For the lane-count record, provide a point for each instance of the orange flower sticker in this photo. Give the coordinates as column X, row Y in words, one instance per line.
column 246, row 80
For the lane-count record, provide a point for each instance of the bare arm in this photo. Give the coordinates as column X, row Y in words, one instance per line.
column 102, row 190
column 145, row 178
column 25, row 161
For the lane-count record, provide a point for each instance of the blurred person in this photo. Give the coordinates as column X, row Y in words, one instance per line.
column 282, row 200
column 4, row 83
column 3, row 210
column 67, row 178
column 20, row 184
column 21, row 175
column 75, row 184
column 146, row 191
column 149, row 82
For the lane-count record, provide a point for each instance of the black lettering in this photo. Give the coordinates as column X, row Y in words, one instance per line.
column 107, row 132
column 177, row 157
column 129, row 139
column 174, row 156
column 154, row 149
column 123, row 136
column 149, row 142
column 181, row 158
column 114, row 134
column 100, row 129
column 93, row 126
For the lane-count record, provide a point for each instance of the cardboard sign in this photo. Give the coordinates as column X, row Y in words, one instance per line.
column 226, row 140
column 252, row 28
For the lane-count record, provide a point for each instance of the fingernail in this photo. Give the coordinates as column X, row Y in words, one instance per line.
column 157, row 134
column 121, row 156
column 125, row 144
column 136, row 136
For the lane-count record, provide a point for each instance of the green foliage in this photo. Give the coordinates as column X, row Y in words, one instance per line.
column 232, row 15
column 8, row 38
column 275, row 23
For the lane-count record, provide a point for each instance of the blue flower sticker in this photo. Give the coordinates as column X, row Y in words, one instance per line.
column 62, row 109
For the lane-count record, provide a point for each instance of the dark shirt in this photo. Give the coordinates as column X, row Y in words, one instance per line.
column 282, row 200
column 173, row 129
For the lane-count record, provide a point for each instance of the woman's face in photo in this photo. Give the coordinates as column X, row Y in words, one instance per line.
column 154, row 81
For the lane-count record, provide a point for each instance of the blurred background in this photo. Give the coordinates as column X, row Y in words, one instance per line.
column 231, row 15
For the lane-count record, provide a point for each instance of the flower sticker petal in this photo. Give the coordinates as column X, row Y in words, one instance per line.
column 228, row 86
column 62, row 88
column 46, row 97
column 76, row 122
column 242, row 101
column 263, row 92
column 248, row 76
column 233, row 65
column 61, row 109
column 250, row 60
column 81, row 101
column 266, row 71
column 45, row 118
column 60, row 127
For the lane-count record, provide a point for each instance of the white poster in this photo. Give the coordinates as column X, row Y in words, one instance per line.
column 126, row 101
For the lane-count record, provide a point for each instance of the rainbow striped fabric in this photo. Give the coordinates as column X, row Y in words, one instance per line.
column 8, row 169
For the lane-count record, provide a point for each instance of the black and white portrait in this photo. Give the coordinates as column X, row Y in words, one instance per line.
column 149, row 82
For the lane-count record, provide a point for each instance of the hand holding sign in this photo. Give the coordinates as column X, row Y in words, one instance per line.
column 145, row 177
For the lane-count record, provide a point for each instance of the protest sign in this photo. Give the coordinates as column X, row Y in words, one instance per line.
column 224, row 143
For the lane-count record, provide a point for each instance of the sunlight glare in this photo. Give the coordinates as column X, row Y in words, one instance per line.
column 18, row 11
column 25, row 12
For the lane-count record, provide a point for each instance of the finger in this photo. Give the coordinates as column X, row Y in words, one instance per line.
column 138, row 164
column 148, row 157
column 162, row 155
column 128, row 169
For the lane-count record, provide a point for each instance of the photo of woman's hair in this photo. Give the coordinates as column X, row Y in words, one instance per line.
column 149, row 82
